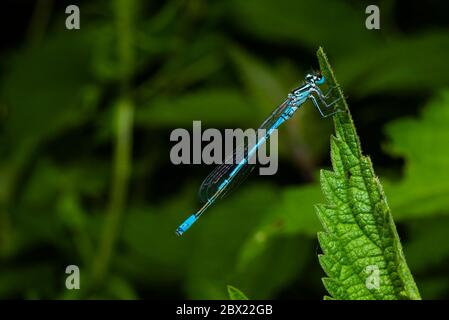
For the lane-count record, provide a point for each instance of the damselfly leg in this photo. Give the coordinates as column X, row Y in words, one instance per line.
column 326, row 95
column 327, row 105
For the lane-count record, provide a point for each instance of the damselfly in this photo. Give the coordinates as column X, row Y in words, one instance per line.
column 230, row 173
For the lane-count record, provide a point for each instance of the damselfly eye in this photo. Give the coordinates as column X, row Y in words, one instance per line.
column 319, row 79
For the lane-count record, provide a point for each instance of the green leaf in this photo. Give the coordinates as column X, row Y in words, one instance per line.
column 388, row 70
column 61, row 63
column 236, row 294
column 424, row 188
column 217, row 106
column 259, row 80
column 214, row 242
column 307, row 23
column 284, row 218
column 218, row 239
column 289, row 255
column 360, row 237
column 161, row 264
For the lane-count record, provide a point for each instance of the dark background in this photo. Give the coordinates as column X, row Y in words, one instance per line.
column 86, row 116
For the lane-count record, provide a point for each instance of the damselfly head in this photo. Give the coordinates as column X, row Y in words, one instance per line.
column 315, row 78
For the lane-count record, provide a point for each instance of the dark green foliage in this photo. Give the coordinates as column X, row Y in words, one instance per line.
column 236, row 294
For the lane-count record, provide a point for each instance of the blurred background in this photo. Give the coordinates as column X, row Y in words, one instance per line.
column 86, row 116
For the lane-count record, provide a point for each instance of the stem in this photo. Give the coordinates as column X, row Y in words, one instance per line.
column 39, row 21
column 5, row 234
column 8, row 190
column 123, row 143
